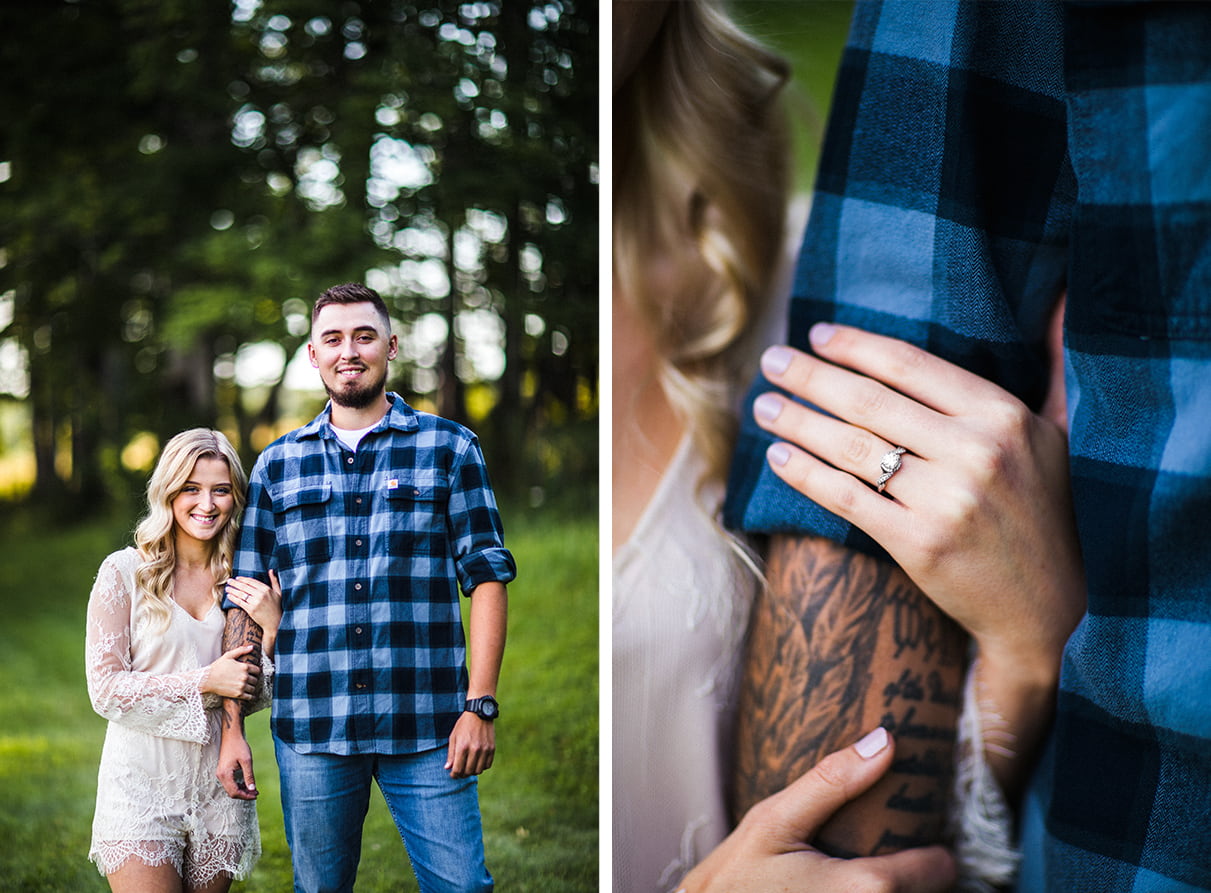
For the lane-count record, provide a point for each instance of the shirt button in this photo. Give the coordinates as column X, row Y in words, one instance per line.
column 349, row 461
column 361, row 685
column 358, row 630
column 357, row 542
column 357, row 586
column 358, row 500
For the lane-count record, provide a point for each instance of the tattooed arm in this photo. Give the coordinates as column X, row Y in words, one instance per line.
column 842, row 642
column 235, row 756
column 979, row 517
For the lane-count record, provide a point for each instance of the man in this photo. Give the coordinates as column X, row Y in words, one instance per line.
column 373, row 515
column 981, row 159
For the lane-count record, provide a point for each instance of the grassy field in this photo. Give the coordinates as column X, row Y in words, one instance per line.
column 539, row 801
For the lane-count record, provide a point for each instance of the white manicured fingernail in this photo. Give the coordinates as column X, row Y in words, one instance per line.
column 821, row 333
column 776, row 360
column 767, row 407
column 873, row 744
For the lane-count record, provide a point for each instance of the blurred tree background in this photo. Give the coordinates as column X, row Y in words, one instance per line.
column 180, row 180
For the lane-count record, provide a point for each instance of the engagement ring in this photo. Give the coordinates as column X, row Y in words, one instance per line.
column 889, row 465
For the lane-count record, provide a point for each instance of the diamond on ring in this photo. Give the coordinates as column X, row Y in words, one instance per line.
column 889, row 465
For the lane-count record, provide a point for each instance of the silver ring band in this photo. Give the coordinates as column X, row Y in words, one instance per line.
column 889, row 465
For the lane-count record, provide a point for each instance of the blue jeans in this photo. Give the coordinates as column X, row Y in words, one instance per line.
column 325, row 798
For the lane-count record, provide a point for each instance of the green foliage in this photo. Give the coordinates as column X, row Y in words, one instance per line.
column 539, row 801
column 175, row 170
column 811, row 40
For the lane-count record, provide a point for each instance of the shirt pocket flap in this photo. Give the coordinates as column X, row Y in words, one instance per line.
column 302, row 496
column 419, row 485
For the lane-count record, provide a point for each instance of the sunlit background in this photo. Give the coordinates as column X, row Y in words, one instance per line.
column 179, row 182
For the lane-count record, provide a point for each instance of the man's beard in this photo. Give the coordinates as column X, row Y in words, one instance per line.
column 358, row 396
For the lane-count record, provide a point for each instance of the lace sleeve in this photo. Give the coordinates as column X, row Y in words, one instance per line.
column 264, row 692
column 168, row 705
column 981, row 821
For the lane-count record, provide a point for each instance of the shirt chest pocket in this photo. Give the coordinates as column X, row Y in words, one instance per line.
column 304, row 525
column 418, row 506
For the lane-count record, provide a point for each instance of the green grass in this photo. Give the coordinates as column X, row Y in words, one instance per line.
column 539, row 801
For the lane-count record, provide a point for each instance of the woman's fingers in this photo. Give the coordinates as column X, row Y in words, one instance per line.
column 844, row 446
column 243, row 590
column 797, row 812
column 906, row 368
column 837, row 491
column 922, row 870
column 857, row 399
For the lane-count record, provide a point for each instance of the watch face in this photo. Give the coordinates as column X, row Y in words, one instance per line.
column 488, row 709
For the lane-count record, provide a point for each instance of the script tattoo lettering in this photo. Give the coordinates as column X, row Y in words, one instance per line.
column 839, row 643
column 926, row 803
column 890, row 842
column 908, row 687
column 907, row 727
column 917, row 623
column 929, row 764
column 940, row 694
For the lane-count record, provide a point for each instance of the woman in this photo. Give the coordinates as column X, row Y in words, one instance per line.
column 699, row 208
column 699, row 200
column 156, row 672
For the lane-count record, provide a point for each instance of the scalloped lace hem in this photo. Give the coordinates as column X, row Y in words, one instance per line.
column 234, row 858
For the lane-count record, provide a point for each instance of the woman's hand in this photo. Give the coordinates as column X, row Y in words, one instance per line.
column 979, row 512
column 769, row 849
column 261, row 602
column 231, row 677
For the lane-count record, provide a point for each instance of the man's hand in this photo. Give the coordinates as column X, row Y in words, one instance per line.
column 770, row 850
column 235, row 756
column 472, row 746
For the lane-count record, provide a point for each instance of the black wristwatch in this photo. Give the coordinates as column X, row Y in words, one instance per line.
column 485, row 707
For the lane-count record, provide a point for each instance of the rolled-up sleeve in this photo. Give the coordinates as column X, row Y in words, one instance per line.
column 475, row 529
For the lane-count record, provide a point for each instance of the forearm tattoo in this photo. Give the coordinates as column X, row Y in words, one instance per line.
column 839, row 644
column 239, row 630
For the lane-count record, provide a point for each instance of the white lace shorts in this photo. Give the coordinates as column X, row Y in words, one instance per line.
column 158, row 801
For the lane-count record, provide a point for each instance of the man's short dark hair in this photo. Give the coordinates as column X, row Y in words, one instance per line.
column 352, row 293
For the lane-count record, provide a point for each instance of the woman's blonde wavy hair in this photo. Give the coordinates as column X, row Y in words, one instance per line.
column 154, row 535
column 701, row 153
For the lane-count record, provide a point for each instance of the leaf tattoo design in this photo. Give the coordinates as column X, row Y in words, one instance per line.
column 829, row 646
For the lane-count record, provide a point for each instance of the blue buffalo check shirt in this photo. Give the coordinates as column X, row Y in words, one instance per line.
column 371, row 547
column 980, row 158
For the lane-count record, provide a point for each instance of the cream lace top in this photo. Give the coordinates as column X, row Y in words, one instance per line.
column 681, row 600
column 157, row 776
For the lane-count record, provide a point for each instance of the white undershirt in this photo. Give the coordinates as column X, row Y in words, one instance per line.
column 351, row 437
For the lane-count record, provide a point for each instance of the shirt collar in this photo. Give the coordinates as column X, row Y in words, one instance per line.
column 399, row 416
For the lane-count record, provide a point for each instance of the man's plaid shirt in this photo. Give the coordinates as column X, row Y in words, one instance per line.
column 980, row 158
column 371, row 548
